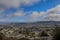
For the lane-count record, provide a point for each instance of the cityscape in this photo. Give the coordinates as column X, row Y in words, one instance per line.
column 28, row 31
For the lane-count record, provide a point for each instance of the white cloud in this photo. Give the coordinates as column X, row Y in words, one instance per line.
column 28, row 2
column 16, row 3
column 52, row 14
column 4, row 4
column 19, row 13
column 52, row 17
column 36, row 14
column 54, row 10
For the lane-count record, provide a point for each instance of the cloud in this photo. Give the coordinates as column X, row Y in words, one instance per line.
column 19, row 13
column 52, row 17
column 52, row 14
column 6, row 4
column 10, row 16
column 36, row 14
column 28, row 2
column 16, row 3
column 54, row 10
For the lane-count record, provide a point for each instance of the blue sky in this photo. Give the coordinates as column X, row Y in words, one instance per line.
column 29, row 10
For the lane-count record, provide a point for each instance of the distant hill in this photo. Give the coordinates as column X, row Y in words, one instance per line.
column 32, row 24
column 42, row 22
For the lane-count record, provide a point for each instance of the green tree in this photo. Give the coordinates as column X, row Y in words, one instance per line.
column 1, row 36
column 44, row 33
column 56, row 33
column 24, row 39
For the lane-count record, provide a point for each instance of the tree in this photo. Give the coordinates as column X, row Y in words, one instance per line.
column 44, row 33
column 1, row 36
column 24, row 39
column 56, row 33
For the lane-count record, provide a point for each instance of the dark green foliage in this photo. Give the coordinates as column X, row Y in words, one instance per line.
column 56, row 35
column 44, row 33
column 24, row 39
column 1, row 36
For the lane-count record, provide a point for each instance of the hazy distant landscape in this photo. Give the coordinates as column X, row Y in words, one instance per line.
column 28, row 31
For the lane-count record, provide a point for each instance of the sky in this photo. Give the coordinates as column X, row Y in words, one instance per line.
column 29, row 10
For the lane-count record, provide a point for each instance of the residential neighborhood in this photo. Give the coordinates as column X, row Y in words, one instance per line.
column 26, row 31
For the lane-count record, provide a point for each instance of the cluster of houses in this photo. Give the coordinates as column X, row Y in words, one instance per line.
column 33, row 33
